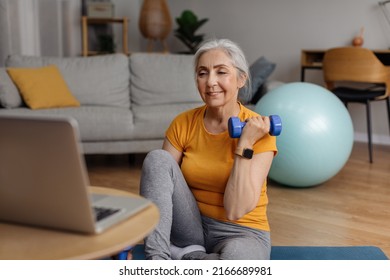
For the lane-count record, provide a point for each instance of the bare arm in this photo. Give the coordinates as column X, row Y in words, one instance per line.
column 243, row 188
column 177, row 155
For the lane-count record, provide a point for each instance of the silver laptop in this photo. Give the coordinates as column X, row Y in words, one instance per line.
column 44, row 181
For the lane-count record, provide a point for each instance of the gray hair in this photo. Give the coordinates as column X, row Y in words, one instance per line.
column 234, row 52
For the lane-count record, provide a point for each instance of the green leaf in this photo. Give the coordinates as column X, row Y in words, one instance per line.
column 188, row 23
column 189, row 17
column 201, row 22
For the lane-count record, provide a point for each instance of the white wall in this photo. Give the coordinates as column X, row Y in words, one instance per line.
column 280, row 29
column 277, row 29
column 129, row 9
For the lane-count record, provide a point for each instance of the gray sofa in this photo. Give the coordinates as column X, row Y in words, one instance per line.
column 127, row 103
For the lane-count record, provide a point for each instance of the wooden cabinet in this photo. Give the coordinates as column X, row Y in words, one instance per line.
column 311, row 59
column 86, row 21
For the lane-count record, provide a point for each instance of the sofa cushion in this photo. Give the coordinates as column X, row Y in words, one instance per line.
column 152, row 121
column 96, row 123
column 42, row 87
column 9, row 94
column 98, row 80
column 260, row 70
column 162, row 79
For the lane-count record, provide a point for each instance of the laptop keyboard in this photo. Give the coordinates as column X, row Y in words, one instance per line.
column 102, row 212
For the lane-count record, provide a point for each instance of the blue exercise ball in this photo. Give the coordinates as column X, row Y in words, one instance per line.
column 317, row 133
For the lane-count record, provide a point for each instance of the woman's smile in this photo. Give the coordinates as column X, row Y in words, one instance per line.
column 214, row 93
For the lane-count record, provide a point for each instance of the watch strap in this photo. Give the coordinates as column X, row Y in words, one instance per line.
column 244, row 152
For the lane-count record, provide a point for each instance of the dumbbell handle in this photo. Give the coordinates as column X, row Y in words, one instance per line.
column 235, row 126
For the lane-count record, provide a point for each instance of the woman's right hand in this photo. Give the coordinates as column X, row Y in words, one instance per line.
column 254, row 129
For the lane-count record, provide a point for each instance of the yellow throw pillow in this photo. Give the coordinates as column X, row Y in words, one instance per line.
column 42, row 87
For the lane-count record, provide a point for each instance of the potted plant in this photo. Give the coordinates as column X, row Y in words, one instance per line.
column 106, row 43
column 188, row 24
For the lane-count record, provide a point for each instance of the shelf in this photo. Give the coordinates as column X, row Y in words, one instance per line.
column 86, row 21
column 312, row 58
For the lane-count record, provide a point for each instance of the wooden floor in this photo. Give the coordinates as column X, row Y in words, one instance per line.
column 352, row 208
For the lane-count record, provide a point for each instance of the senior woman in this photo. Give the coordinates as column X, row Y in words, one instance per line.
column 211, row 189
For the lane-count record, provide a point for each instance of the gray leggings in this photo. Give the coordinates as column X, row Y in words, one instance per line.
column 182, row 224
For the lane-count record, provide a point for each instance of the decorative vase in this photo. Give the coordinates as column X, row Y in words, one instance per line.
column 359, row 39
column 155, row 22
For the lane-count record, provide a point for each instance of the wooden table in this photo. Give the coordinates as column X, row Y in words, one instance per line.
column 23, row 242
column 312, row 59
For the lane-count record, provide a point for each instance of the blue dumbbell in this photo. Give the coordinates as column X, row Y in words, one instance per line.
column 235, row 126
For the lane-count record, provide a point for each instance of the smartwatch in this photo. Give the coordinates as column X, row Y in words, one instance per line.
column 244, row 152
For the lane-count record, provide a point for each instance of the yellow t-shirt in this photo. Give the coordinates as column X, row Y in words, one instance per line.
column 207, row 162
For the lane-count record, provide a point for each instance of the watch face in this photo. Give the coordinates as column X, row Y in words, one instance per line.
column 247, row 153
